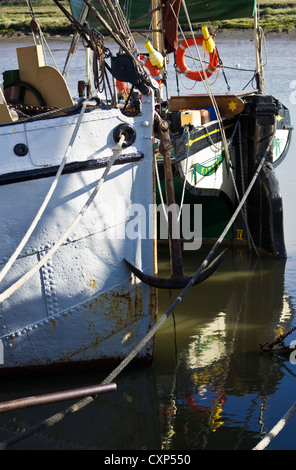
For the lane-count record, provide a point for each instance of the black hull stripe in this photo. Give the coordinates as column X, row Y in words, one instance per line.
column 200, row 139
column 47, row 172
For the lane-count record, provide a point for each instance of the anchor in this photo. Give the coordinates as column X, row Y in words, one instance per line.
column 178, row 279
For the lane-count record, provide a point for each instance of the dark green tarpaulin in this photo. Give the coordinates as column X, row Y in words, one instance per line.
column 211, row 10
column 200, row 11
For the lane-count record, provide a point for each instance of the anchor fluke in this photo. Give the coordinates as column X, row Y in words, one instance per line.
column 176, row 282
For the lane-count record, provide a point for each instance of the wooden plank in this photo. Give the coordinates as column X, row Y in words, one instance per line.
column 5, row 114
column 46, row 79
column 229, row 105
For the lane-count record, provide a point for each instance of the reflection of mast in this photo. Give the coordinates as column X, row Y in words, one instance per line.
column 240, row 304
column 251, row 293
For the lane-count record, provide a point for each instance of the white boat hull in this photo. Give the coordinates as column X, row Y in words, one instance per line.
column 83, row 305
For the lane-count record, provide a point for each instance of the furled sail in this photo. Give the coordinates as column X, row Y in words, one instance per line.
column 199, row 10
column 215, row 10
column 170, row 24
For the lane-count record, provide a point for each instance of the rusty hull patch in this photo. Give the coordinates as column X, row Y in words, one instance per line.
column 104, row 330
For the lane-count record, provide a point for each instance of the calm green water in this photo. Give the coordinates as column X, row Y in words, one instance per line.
column 209, row 387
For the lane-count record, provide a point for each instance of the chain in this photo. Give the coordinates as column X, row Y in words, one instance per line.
column 279, row 341
column 31, row 108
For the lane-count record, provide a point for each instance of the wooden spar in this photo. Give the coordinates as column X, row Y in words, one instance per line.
column 56, row 397
column 258, row 51
column 166, row 149
column 229, row 105
column 157, row 25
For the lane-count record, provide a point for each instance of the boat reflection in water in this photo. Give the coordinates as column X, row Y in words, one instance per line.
column 215, row 398
column 208, row 385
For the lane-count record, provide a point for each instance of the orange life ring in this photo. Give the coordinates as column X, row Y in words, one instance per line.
column 180, row 60
column 154, row 71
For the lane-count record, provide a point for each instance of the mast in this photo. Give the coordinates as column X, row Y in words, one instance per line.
column 157, row 26
column 258, row 51
column 158, row 38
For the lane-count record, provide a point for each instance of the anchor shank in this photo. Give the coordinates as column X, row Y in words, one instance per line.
column 166, row 149
column 178, row 279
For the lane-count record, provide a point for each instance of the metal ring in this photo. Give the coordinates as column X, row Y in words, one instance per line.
column 129, row 133
column 20, row 150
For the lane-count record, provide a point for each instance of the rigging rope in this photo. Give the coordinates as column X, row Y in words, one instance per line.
column 36, row 28
column 45, row 203
column 32, row 13
column 75, row 41
column 214, row 102
column 9, row 291
column 205, row 82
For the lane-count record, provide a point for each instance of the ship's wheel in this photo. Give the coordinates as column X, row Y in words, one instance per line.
column 15, row 93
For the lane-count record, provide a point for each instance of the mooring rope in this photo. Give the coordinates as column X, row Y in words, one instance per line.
column 10, row 290
column 110, row 378
column 45, row 203
column 276, row 429
column 206, row 84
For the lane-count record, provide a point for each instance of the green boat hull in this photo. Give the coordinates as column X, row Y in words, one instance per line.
column 216, row 211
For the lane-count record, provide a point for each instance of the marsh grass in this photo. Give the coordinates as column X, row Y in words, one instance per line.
column 15, row 17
